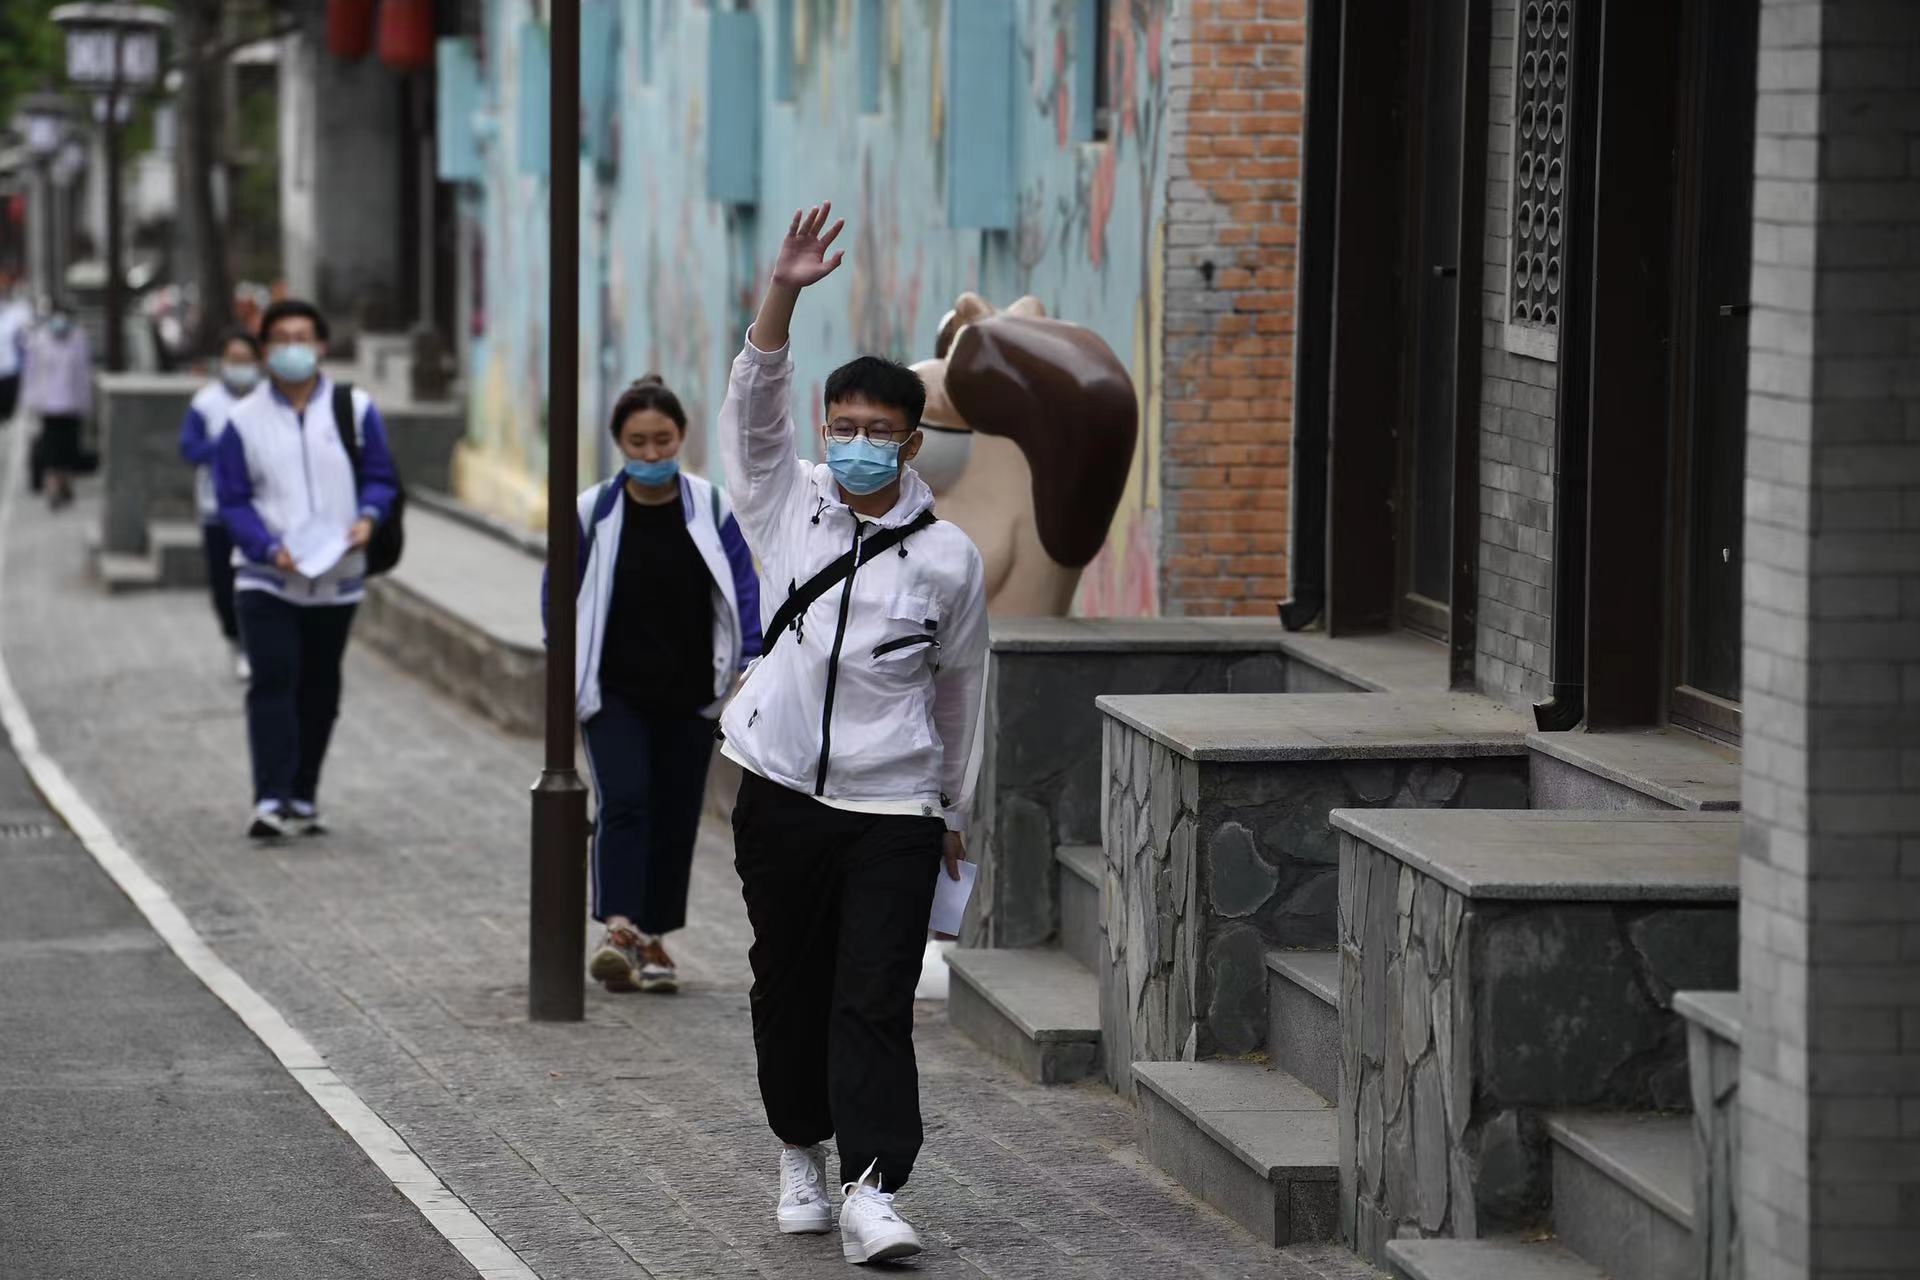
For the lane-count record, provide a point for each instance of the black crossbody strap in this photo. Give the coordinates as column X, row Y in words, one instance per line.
column 801, row 598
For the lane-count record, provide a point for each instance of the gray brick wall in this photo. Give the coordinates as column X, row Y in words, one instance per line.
column 1830, row 946
column 1516, row 439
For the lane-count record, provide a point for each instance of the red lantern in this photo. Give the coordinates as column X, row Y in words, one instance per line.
column 406, row 34
column 349, row 28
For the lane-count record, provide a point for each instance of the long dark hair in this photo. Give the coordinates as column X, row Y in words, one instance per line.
column 649, row 392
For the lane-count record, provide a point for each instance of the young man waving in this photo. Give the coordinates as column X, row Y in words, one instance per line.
column 854, row 733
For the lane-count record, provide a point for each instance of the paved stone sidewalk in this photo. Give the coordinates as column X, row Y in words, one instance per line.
column 631, row 1144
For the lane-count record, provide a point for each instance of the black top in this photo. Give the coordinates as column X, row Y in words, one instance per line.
column 658, row 650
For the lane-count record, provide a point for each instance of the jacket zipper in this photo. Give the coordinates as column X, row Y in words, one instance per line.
column 833, row 663
column 904, row 642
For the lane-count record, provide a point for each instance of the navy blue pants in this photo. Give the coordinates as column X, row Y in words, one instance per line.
column 650, row 781
column 294, row 697
column 217, row 544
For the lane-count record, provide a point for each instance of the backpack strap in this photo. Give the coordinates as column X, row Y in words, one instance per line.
column 801, row 598
column 349, row 430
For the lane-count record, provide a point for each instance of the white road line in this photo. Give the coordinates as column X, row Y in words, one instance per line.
column 442, row 1209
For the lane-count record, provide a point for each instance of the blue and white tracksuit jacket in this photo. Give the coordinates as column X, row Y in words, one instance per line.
column 199, row 432
column 736, row 585
column 275, row 469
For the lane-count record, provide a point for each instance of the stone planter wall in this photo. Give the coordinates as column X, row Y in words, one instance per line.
column 1210, row 864
column 1040, row 779
column 1464, row 1020
column 1714, row 1068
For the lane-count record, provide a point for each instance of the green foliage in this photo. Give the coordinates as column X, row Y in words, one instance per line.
column 31, row 52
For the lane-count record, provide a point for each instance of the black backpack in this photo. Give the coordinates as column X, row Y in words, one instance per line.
column 389, row 535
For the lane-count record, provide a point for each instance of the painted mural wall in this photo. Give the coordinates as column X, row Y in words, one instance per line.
column 669, row 277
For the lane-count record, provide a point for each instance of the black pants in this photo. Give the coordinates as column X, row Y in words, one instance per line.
column 294, row 697
column 217, row 544
column 839, row 904
column 9, row 396
column 650, row 783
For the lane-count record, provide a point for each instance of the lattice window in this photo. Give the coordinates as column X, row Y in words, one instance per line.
column 1539, row 193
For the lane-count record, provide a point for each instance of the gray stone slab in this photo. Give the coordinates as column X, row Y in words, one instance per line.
column 1561, row 855
column 1303, row 1030
column 1666, row 765
column 1649, row 1155
column 1082, row 934
column 1087, row 861
column 1492, row 1259
column 1317, row 972
column 1720, row 1012
column 1603, row 1222
column 486, row 583
column 1323, row 726
column 1045, row 993
column 1044, row 1061
column 1270, row 1120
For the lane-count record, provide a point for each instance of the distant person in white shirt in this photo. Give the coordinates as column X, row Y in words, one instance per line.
column 853, row 733
column 59, row 390
column 16, row 317
column 212, row 405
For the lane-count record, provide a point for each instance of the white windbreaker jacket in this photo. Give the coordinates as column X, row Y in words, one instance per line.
column 873, row 701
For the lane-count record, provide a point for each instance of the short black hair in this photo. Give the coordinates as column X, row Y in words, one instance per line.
column 295, row 307
column 237, row 334
column 649, row 392
column 882, row 381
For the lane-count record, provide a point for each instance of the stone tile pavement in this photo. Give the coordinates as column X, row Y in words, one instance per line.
column 631, row 1144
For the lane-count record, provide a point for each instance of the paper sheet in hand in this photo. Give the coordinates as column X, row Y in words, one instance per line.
column 950, row 898
column 316, row 547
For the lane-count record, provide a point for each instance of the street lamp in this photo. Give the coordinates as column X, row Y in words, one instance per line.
column 113, row 50
column 42, row 121
column 556, row 907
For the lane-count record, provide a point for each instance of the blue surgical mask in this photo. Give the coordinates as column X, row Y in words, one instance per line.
column 293, row 361
column 61, row 325
column 653, row 474
column 862, row 466
column 240, row 378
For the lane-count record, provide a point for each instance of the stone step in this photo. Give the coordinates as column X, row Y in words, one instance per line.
column 1253, row 1142
column 1623, row 1191
column 1083, row 873
column 1303, row 1017
column 175, row 548
column 1491, row 1259
column 121, row 572
column 1633, row 769
column 1039, row 1008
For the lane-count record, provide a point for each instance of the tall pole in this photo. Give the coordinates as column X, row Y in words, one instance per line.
column 116, row 270
column 557, row 904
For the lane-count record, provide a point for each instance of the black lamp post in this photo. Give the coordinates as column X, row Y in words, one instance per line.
column 113, row 50
column 557, row 904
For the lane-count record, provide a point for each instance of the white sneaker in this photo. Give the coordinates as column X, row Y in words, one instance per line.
column 803, row 1191
column 269, row 822
column 242, row 669
column 870, row 1231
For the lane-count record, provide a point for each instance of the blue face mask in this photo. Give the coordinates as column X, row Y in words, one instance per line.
column 240, row 378
column 653, row 474
column 861, row 466
column 293, row 361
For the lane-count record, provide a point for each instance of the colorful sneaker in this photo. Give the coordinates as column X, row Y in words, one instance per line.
column 803, row 1191
column 870, row 1230
column 657, row 972
column 269, row 823
column 616, row 965
column 305, row 819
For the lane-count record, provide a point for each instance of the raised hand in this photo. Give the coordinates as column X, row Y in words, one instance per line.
column 803, row 254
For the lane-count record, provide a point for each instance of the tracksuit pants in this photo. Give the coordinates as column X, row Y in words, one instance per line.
column 839, row 904
column 650, row 783
column 216, row 544
column 294, row 696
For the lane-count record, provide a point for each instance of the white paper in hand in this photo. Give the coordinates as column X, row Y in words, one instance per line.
column 950, row 898
column 316, row 547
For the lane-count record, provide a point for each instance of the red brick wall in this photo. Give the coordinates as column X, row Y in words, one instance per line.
column 1237, row 85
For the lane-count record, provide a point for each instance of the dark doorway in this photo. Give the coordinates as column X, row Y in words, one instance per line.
column 1433, row 285
column 1709, row 434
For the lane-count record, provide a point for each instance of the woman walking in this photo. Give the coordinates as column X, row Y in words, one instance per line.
column 59, row 388
column 668, row 612
column 206, row 418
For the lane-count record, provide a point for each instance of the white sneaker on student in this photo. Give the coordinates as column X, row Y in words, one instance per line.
column 804, row 1209
column 870, row 1230
column 242, row 669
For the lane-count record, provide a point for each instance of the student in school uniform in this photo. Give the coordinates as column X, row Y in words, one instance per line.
column 853, row 733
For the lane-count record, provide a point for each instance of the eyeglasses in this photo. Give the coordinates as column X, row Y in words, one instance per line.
column 879, row 431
